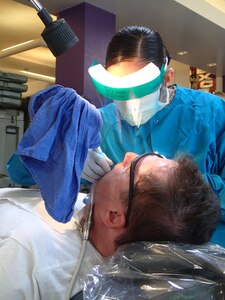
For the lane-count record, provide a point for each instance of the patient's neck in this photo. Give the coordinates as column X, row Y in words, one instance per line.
column 103, row 239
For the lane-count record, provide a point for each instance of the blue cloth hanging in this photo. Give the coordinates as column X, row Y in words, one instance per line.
column 54, row 147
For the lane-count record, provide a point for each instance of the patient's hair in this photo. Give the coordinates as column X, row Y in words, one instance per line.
column 184, row 210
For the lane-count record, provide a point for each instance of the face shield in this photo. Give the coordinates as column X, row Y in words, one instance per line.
column 136, row 95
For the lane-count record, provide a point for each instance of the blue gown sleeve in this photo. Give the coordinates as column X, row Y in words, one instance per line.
column 218, row 185
column 217, row 181
column 17, row 171
column 217, row 178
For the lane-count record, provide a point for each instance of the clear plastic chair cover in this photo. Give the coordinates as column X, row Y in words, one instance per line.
column 156, row 271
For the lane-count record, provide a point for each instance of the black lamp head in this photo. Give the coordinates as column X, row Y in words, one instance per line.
column 58, row 35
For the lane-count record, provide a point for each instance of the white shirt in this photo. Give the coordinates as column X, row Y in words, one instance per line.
column 37, row 254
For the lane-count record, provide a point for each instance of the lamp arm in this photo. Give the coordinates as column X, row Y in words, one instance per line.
column 42, row 12
column 37, row 5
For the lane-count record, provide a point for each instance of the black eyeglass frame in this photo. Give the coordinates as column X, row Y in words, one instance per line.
column 133, row 165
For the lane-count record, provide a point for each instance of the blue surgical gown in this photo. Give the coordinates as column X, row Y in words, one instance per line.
column 194, row 122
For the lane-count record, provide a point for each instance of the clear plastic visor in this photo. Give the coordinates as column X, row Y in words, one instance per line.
column 135, row 85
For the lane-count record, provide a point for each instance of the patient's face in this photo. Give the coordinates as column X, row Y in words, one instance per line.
column 110, row 186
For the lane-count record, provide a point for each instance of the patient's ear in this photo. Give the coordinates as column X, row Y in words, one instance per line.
column 114, row 219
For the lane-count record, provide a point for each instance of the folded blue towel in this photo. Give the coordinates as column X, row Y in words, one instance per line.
column 54, row 147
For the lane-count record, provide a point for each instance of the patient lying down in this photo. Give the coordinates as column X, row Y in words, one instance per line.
column 144, row 198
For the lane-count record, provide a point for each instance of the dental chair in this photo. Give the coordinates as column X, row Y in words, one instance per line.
column 78, row 296
column 158, row 271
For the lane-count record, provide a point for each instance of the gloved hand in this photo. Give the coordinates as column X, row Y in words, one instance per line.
column 96, row 165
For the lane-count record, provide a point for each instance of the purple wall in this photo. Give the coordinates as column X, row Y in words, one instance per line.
column 70, row 65
column 94, row 27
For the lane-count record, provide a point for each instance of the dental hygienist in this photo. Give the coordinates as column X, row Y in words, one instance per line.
column 147, row 116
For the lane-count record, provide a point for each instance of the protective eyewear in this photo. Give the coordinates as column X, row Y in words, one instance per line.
column 133, row 165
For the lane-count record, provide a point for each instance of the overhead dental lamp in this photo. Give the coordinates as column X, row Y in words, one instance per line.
column 58, row 35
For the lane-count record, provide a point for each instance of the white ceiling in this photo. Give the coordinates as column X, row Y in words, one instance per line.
column 180, row 27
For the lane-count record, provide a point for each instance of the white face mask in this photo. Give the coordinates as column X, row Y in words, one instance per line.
column 138, row 111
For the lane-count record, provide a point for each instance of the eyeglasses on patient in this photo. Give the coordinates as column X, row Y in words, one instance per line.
column 133, row 165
